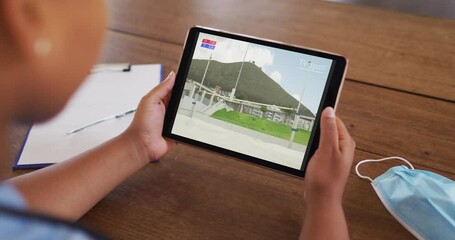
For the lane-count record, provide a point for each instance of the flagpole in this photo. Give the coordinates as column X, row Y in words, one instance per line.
column 296, row 118
column 205, row 72
column 238, row 76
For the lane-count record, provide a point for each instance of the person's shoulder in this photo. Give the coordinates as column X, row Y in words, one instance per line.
column 10, row 197
column 17, row 223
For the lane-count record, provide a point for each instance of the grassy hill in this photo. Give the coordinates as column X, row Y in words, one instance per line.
column 254, row 84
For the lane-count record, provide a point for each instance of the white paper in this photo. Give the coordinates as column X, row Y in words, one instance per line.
column 103, row 94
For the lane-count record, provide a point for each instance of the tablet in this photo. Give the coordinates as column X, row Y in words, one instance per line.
column 252, row 99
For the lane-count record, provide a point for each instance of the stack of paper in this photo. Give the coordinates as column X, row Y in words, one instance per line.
column 103, row 94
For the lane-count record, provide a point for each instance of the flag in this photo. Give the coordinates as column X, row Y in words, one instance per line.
column 207, row 43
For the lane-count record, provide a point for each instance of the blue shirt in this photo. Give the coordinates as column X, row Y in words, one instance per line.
column 23, row 227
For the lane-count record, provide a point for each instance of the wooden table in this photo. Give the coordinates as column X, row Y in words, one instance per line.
column 398, row 99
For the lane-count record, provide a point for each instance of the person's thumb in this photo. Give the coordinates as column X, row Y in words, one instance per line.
column 329, row 132
column 160, row 92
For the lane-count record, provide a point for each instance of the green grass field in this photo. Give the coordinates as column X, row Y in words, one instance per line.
column 262, row 125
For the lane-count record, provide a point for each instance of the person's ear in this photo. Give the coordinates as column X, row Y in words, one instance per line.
column 27, row 27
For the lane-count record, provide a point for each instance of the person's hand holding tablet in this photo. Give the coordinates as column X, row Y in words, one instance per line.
column 327, row 174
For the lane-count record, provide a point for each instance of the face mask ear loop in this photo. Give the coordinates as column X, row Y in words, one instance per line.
column 357, row 169
column 378, row 160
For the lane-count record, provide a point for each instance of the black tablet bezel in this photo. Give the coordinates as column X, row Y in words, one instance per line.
column 329, row 97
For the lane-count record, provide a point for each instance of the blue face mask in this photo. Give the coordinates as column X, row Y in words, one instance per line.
column 422, row 201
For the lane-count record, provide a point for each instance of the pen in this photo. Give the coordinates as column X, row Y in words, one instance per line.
column 125, row 113
column 116, row 116
column 111, row 67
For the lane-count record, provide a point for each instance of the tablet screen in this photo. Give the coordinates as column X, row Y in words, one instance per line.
column 252, row 99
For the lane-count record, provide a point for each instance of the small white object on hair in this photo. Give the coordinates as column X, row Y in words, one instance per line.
column 43, row 46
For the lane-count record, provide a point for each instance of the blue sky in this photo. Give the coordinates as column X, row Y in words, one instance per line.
column 296, row 73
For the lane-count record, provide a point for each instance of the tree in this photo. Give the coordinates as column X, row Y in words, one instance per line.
column 263, row 110
column 242, row 97
column 289, row 113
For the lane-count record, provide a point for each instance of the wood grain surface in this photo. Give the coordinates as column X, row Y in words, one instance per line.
column 398, row 100
column 402, row 51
